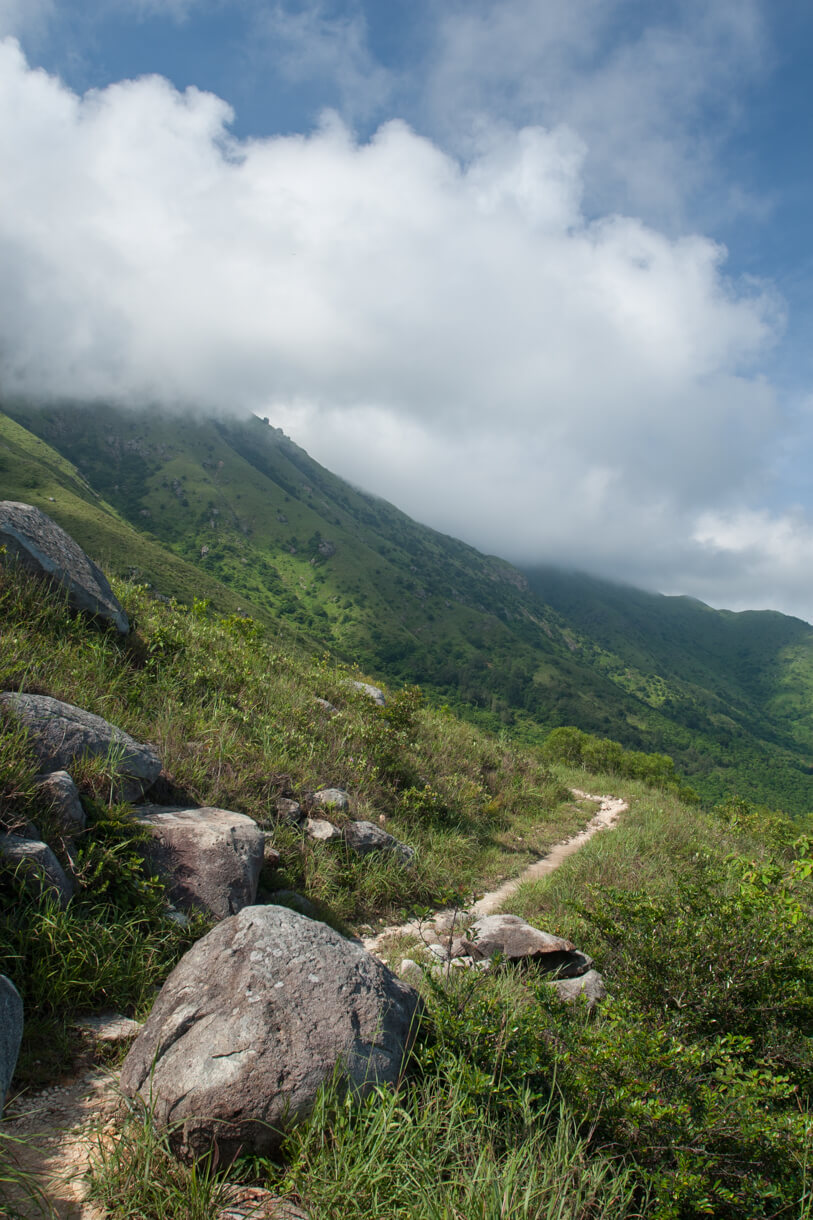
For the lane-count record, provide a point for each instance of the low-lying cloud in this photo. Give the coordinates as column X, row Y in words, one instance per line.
column 456, row 336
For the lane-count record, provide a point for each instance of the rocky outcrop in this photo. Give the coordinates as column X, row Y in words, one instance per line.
column 11, row 1032
column 365, row 837
column 209, row 858
column 63, row 797
column 372, row 692
column 38, row 867
column 254, row 1019
column 40, row 545
column 60, row 734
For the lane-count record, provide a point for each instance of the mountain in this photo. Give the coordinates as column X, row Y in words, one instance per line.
column 232, row 510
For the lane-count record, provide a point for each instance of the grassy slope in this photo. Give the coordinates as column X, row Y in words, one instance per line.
column 242, row 504
column 654, row 1110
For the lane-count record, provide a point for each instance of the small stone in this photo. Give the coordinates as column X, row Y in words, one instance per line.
column 322, row 831
column 290, row 811
column 332, row 798
column 271, row 856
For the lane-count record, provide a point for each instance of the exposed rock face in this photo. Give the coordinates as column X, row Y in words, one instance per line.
column 38, row 866
column 11, row 1032
column 331, row 798
column 63, row 795
column 513, row 938
column 372, row 692
column 42, row 546
column 590, row 986
column 364, row 837
column 60, row 733
column 209, row 858
column 254, row 1018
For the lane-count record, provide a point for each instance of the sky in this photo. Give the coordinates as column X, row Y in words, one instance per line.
column 538, row 272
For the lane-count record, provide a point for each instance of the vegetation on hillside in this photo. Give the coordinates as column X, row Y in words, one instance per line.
column 249, row 520
column 685, row 1095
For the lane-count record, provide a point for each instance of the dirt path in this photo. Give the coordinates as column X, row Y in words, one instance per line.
column 610, row 809
column 60, row 1127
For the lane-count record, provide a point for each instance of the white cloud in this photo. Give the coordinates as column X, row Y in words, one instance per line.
column 457, row 337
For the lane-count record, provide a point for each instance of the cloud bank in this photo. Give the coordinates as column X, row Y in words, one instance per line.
column 456, row 335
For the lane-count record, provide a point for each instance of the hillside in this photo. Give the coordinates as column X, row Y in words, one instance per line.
column 244, row 515
column 687, row 1096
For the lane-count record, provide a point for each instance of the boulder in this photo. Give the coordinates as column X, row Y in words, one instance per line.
column 589, row 986
column 43, row 547
column 327, row 706
column 61, row 734
column 322, row 831
column 331, row 798
column 253, row 1020
column 38, row 867
column 514, row 939
column 63, row 797
column 365, row 837
column 11, row 1033
column 372, row 692
column 209, row 858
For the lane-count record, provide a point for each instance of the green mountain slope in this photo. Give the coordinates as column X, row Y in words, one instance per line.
column 240, row 508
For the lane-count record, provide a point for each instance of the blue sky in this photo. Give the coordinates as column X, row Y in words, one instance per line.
column 540, row 273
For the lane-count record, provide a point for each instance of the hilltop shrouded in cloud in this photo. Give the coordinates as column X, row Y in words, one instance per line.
column 456, row 331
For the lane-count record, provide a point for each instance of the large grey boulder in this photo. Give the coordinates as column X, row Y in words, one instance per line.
column 514, row 939
column 60, row 734
column 63, row 797
column 365, row 837
column 38, row 867
column 209, row 858
column 254, row 1018
column 40, row 545
column 11, row 1032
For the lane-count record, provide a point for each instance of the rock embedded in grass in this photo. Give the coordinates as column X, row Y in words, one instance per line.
column 254, row 1019
column 322, row 831
column 588, row 986
column 209, row 858
column 38, row 868
column 63, row 797
column 60, row 734
column 513, row 939
column 372, row 692
column 331, row 798
column 366, row 837
column 11, row 1033
column 34, row 540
